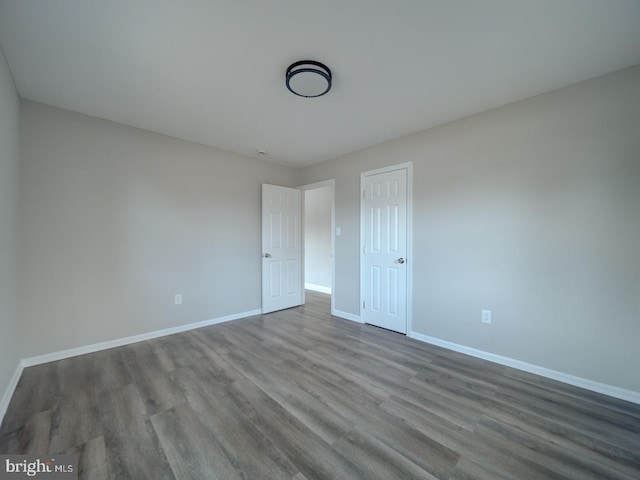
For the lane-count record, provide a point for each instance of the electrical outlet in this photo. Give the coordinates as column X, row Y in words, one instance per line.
column 177, row 299
column 486, row 316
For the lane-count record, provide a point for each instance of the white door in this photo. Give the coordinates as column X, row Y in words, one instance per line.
column 384, row 217
column 281, row 248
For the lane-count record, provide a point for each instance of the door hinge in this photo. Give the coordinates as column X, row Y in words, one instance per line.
column 364, row 249
column 364, row 194
column 363, row 304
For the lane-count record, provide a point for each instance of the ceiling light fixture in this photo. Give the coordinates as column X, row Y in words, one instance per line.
column 308, row 79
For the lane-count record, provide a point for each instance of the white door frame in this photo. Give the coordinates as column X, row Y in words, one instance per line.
column 312, row 186
column 408, row 166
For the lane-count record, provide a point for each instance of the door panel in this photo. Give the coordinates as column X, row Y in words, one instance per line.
column 385, row 250
column 281, row 248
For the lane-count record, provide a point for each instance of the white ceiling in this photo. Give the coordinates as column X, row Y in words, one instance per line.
column 212, row 71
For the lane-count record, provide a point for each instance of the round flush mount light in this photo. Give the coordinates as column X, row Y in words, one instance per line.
column 308, row 79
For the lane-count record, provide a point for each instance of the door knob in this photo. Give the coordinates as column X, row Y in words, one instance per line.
column 400, row 260
column 267, row 255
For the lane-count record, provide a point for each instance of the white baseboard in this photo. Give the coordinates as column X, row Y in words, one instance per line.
column 612, row 391
column 118, row 342
column 317, row 288
column 347, row 316
column 8, row 393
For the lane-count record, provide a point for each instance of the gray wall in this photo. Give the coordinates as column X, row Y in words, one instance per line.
column 9, row 176
column 531, row 210
column 317, row 236
column 116, row 220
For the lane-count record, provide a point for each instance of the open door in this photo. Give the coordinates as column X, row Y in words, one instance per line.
column 281, row 248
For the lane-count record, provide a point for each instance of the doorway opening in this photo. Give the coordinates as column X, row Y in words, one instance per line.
column 318, row 233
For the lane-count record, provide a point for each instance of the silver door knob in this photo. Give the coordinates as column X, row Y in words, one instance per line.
column 400, row 260
column 267, row 255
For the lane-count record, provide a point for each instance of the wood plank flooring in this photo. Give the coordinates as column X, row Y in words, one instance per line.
column 300, row 395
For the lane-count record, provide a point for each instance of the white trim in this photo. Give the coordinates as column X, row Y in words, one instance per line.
column 322, row 184
column 118, row 342
column 11, row 388
column 347, row 316
column 612, row 391
column 408, row 166
column 317, row 288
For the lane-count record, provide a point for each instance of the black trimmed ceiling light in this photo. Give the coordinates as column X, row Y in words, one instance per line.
column 308, row 79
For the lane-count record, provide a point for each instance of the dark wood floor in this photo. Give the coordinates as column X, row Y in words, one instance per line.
column 300, row 395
